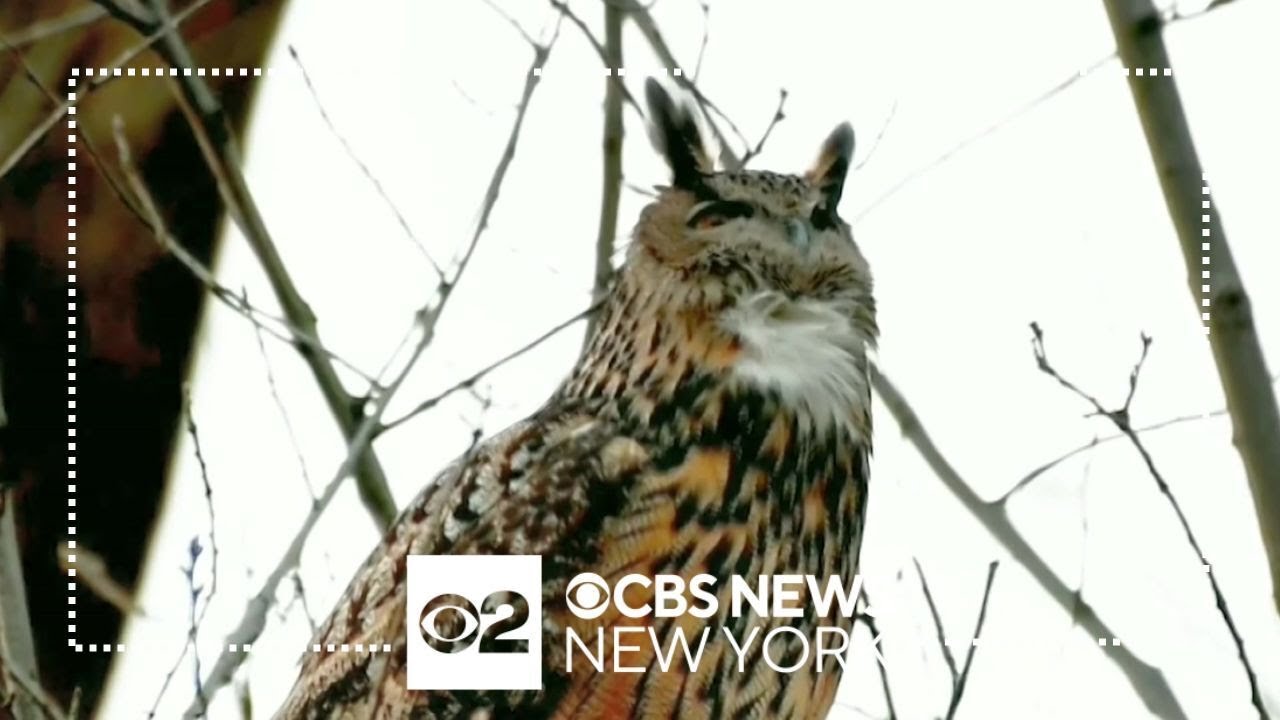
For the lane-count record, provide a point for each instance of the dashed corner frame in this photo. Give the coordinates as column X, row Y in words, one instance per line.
column 73, row 300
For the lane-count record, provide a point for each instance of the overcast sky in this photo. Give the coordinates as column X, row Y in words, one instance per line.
column 1057, row 217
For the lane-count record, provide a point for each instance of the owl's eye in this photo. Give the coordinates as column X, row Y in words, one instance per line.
column 714, row 213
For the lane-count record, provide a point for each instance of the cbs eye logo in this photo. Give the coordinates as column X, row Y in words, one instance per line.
column 587, row 596
column 450, row 623
column 474, row 622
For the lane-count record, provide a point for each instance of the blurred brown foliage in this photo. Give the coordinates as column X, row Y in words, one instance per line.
column 137, row 308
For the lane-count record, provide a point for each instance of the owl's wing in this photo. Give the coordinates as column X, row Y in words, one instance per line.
column 542, row 487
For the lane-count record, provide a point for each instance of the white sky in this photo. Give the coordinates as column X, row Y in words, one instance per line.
column 1057, row 217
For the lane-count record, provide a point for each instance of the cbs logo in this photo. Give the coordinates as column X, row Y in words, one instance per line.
column 587, row 596
column 473, row 622
column 451, row 623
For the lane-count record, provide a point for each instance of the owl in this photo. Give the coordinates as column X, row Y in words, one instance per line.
column 718, row 422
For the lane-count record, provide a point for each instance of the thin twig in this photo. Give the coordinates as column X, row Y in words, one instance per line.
column 876, row 639
column 90, row 84
column 253, row 619
column 94, row 575
column 875, row 144
column 470, row 381
column 611, row 182
column 300, row 592
column 512, row 22
column 956, row 149
column 1148, row 682
column 33, row 691
column 702, row 46
column 599, row 47
column 364, row 169
column 90, row 144
column 1099, row 441
column 1120, row 419
column 70, row 20
column 212, row 132
column 937, row 625
column 194, row 434
column 274, row 389
column 149, row 214
column 649, row 28
column 958, row 689
column 778, row 116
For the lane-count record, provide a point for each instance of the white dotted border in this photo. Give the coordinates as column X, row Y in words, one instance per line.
column 1206, row 203
column 77, row 75
column 87, row 73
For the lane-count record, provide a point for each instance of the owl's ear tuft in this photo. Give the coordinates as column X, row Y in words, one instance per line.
column 674, row 132
column 834, row 159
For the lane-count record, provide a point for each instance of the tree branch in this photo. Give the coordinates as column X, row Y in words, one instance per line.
column 611, row 184
column 937, row 626
column 254, row 618
column 364, row 169
column 778, row 116
column 470, row 381
column 90, row 84
column 212, row 132
column 17, row 644
column 957, row 691
column 1242, row 369
column 1147, row 681
column 1120, row 418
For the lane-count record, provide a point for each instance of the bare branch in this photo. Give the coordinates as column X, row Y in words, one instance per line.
column 958, row 689
column 93, row 574
column 17, row 644
column 364, row 169
column 68, row 21
column 512, row 22
column 212, row 133
column 280, row 406
column 30, row 690
column 90, row 84
column 1099, row 441
column 90, row 144
column 875, row 144
column 470, row 381
column 1000, row 124
column 1120, row 419
column 876, row 638
column 778, row 116
column 149, row 213
column 1202, row 242
column 600, row 49
column 937, row 625
column 1148, row 682
column 253, row 620
column 649, row 28
column 702, row 46
column 194, row 434
column 194, row 551
column 611, row 184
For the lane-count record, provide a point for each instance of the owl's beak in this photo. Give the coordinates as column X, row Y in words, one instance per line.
column 798, row 233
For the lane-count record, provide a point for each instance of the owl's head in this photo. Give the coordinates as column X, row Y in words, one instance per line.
column 739, row 234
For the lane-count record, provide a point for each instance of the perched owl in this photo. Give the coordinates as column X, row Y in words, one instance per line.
column 718, row 422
